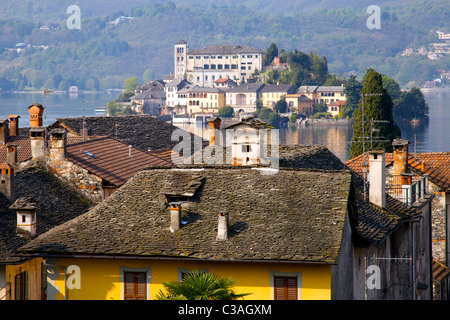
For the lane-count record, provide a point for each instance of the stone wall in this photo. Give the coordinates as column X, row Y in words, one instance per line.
column 89, row 184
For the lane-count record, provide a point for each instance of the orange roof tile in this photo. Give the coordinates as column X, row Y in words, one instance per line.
column 111, row 159
column 435, row 164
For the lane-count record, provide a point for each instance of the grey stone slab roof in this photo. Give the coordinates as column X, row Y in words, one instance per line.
column 278, row 88
column 294, row 215
column 143, row 131
column 247, row 87
column 225, row 49
column 55, row 204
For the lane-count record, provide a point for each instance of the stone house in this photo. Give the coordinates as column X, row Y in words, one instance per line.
column 205, row 217
column 97, row 167
column 40, row 202
column 271, row 94
column 323, row 94
column 173, row 99
column 406, row 172
column 300, row 102
column 204, row 66
column 244, row 97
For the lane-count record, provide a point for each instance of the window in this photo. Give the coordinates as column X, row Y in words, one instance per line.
column 21, row 286
column 135, row 286
column 206, row 66
column 285, row 288
column 227, row 66
column 213, row 66
column 246, row 148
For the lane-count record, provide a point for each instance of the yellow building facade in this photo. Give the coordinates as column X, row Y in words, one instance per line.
column 104, row 279
column 206, row 100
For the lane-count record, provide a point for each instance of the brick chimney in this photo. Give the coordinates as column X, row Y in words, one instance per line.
column 26, row 216
column 214, row 131
column 377, row 178
column 400, row 153
column 58, row 144
column 14, row 125
column 175, row 216
column 37, row 142
column 11, row 155
column 4, row 130
column 7, row 183
column 35, row 112
column 222, row 227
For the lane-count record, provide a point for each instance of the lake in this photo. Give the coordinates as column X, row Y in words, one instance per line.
column 424, row 137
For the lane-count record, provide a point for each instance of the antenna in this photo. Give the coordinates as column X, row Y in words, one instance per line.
column 364, row 136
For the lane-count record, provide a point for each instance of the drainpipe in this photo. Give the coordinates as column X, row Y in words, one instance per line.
column 65, row 275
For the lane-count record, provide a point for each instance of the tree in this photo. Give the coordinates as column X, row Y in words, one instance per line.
column 274, row 119
column 352, row 89
column 130, row 84
column 271, row 53
column 200, row 286
column 226, row 112
column 376, row 107
column 411, row 105
column 281, row 106
column 392, row 88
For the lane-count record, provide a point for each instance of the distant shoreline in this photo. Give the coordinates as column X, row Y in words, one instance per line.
column 61, row 91
column 435, row 89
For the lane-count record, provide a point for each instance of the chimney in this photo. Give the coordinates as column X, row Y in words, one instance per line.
column 37, row 142
column 175, row 216
column 4, row 130
column 7, row 183
column 214, row 131
column 58, row 144
column 14, row 125
column 377, row 178
column 26, row 216
column 35, row 112
column 400, row 153
column 11, row 155
column 222, row 227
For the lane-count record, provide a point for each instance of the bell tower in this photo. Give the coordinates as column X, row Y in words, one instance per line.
column 180, row 59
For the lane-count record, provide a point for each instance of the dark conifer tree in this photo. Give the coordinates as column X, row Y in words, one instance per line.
column 377, row 106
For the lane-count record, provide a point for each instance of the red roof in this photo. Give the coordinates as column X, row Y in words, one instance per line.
column 112, row 160
column 435, row 164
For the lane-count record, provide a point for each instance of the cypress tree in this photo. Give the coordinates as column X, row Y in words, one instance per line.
column 379, row 108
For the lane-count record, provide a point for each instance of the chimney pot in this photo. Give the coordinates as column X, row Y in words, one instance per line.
column 214, row 131
column 377, row 178
column 400, row 147
column 37, row 142
column 175, row 216
column 222, row 228
column 14, row 125
column 11, row 154
column 35, row 112
column 7, row 183
column 26, row 216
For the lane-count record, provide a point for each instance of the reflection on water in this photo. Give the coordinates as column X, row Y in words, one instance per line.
column 431, row 136
column 335, row 138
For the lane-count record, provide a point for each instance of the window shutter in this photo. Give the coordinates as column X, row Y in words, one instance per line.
column 285, row 288
column 135, row 286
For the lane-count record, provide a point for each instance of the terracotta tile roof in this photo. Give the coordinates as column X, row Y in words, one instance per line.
column 435, row 164
column 110, row 159
column 23, row 148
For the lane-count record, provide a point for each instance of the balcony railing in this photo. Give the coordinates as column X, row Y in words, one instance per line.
column 408, row 193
